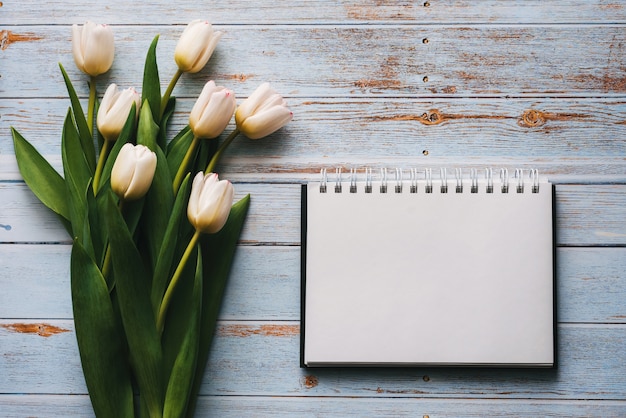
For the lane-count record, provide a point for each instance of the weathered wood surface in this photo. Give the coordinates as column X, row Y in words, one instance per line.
column 318, row 11
column 265, row 284
column 587, row 215
column 353, row 60
column 371, row 83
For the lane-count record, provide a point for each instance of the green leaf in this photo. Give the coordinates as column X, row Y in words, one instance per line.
column 133, row 290
column 164, row 268
column 169, row 111
column 77, row 180
column 151, row 89
column 218, row 251
column 95, row 227
column 86, row 139
column 41, row 178
column 100, row 341
column 158, row 206
column 178, row 148
column 181, row 377
column 147, row 129
column 206, row 150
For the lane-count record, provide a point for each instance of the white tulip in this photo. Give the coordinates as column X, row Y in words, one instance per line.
column 209, row 203
column 114, row 110
column 195, row 46
column 263, row 113
column 93, row 48
column 212, row 111
column 133, row 171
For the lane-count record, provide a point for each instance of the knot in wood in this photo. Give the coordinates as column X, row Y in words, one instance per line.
column 531, row 118
column 432, row 117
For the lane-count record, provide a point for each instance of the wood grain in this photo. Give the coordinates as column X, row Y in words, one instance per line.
column 261, row 359
column 587, row 215
column 458, row 61
column 264, row 284
column 259, row 406
column 318, row 11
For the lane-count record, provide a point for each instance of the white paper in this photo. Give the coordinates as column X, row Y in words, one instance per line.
column 432, row 279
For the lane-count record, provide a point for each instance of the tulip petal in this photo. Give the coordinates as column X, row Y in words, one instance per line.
column 216, row 115
column 250, row 105
column 123, row 170
column 207, row 52
column 77, row 49
column 262, row 124
column 192, row 45
column 145, row 166
column 194, row 198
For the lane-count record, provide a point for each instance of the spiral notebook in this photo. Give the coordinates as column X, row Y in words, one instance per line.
column 408, row 268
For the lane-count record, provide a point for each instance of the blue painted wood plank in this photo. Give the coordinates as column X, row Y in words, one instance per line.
column 461, row 61
column 18, row 406
column 316, row 11
column 262, row 359
column 586, row 215
column 265, row 284
column 392, row 131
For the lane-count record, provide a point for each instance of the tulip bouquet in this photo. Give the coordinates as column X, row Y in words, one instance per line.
column 154, row 230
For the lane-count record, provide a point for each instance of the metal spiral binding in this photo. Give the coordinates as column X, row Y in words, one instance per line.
column 429, row 180
column 443, row 174
column 519, row 175
column 414, row 181
column 324, row 180
column 398, row 187
column 383, row 182
column 413, row 188
column 368, row 180
column 474, row 177
column 534, row 179
column 489, row 177
column 459, row 180
column 504, row 178
column 338, row 180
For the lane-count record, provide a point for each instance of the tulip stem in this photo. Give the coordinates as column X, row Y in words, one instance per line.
column 101, row 160
column 220, row 150
column 91, row 105
column 106, row 264
column 182, row 170
column 168, row 91
column 175, row 278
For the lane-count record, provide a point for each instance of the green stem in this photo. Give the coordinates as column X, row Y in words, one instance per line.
column 101, row 160
column 182, row 170
column 106, row 264
column 91, row 106
column 168, row 92
column 175, row 278
column 220, row 150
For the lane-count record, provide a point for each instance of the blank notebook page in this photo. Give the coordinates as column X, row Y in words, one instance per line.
column 428, row 279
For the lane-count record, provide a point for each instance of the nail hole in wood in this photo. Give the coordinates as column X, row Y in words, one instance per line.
column 426, row 378
column 426, row 4
column 425, row 152
column 425, row 79
column 425, row 41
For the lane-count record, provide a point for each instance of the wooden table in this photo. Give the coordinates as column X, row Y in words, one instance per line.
column 469, row 84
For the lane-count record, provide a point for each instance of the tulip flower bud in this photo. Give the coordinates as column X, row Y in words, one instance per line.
column 263, row 113
column 114, row 110
column 212, row 111
column 93, row 48
column 133, row 171
column 195, row 46
column 209, row 203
